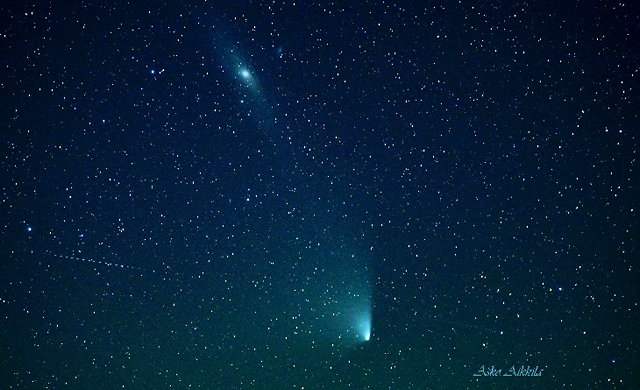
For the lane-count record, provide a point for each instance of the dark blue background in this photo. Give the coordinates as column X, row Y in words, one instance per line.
column 475, row 164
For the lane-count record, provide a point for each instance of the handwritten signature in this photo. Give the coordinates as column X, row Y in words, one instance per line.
column 513, row 371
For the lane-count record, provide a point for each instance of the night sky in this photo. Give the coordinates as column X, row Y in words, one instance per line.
column 337, row 195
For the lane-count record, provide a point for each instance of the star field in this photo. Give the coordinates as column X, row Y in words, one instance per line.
column 319, row 196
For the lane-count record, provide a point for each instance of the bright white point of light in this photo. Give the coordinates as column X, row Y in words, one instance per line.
column 245, row 73
column 29, row 228
column 364, row 327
